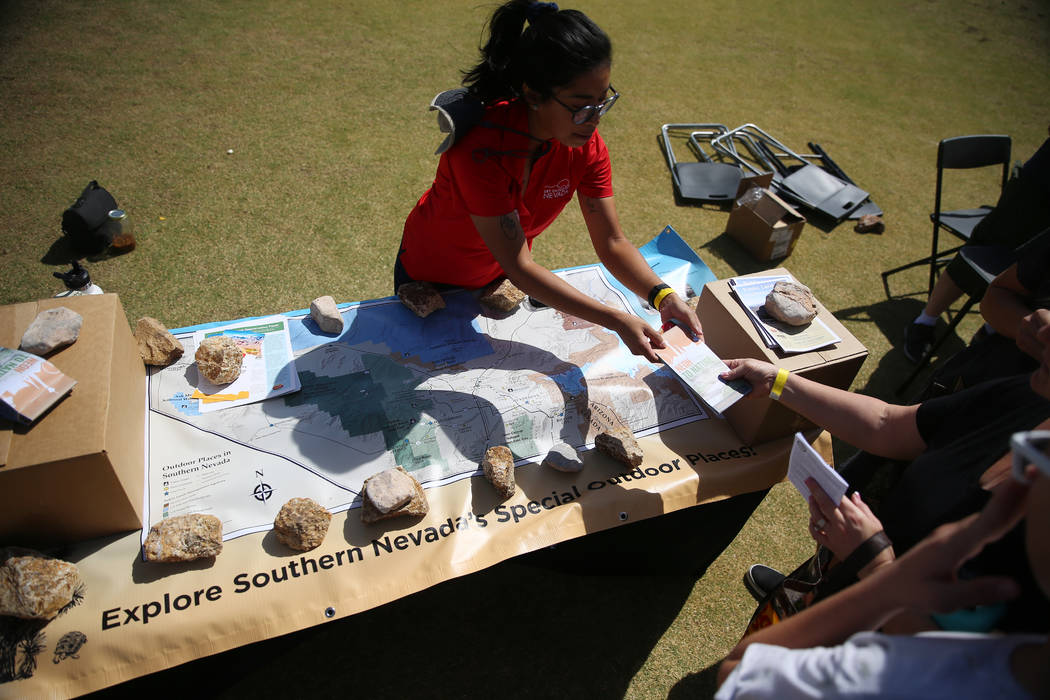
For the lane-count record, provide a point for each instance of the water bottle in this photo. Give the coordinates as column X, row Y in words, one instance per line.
column 77, row 282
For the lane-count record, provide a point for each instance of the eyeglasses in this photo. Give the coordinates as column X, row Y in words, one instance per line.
column 1028, row 448
column 582, row 115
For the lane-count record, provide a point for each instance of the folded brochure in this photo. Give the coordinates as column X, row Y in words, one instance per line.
column 805, row 462
column 29, row 385
column 699, row 368
column 267, row 370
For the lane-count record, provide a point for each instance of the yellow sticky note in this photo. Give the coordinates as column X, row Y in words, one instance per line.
column 215, row 398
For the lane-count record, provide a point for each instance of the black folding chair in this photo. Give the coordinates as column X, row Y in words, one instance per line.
column 960, row 152
column 704, row 180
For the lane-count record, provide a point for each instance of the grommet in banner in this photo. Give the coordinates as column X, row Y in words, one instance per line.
column 329, row 612
column 623, row 515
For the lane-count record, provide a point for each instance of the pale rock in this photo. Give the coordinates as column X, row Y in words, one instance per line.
column 51, row 329
column 563, row 457
column 34, row 586
column 325, row 313
column 302, row 524
column 869, row 223
column 157, row 346
column 498, row 466
column 501, row 295
column 390, row 489
column 694, row 304
column 792, row 303
column 418, row 506
column 184, row 538
column 219, row 359
column 420, row 297
column 619, row 443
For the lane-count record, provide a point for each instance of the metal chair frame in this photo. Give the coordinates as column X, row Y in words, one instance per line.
column 802, row 182
column 705, row 180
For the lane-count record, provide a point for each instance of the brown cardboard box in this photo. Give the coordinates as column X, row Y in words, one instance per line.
column 765, row 224
column 762, row 180
column 731, row 334
column 78, row 471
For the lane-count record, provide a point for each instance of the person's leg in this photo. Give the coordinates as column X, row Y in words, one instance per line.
column 918, row 336
column 944, row 293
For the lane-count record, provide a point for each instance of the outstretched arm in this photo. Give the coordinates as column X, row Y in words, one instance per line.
column 506, row 240
column 625, row 262
column 881, row 428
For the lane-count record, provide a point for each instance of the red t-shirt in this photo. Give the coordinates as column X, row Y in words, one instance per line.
column 481, row 176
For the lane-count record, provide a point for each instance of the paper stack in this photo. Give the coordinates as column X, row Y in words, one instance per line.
column 751, row 292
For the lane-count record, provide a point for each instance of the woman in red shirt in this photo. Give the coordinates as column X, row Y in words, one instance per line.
column 544, row 84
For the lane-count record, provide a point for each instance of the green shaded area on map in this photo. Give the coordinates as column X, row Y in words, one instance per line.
column 520, row 437
column 382, row 398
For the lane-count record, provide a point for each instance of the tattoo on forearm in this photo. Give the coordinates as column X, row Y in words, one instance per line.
column 511, row 227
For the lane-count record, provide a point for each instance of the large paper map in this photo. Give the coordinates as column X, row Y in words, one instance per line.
column 427, row 394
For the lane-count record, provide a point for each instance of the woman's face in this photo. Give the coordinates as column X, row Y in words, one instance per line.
column 553, row 117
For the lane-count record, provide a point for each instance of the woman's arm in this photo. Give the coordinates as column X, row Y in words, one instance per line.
column 845, row 528
column 625, row 262
column 1006, row 309
column 881, row 428
column 923, row 580
column 1003, row 305
column 506, row 240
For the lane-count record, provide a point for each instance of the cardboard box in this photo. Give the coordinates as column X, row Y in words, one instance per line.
column 78, row 471
column 762, row 180
column 731, row 334
column 765, row 224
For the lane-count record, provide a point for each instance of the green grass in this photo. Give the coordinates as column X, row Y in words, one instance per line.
column 324, row 106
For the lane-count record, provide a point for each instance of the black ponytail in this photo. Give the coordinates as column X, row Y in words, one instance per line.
column 536, row 44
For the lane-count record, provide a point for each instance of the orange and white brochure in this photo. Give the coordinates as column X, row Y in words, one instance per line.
column 29, row 385
column 699, row 368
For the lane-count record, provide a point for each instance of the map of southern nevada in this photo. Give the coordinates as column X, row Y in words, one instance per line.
column 393, row 389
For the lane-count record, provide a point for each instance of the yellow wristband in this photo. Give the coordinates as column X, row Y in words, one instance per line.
column 778, row 384
column 660, row 296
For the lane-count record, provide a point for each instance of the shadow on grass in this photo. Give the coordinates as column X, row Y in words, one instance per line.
column 703, row 684
column 726, row 248
column 891, row 317
column 579, row 620
column 60, row 253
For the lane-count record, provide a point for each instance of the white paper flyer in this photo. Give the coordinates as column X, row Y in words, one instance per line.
column 699, row 369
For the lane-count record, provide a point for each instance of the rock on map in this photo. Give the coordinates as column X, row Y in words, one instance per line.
column 427, row 394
